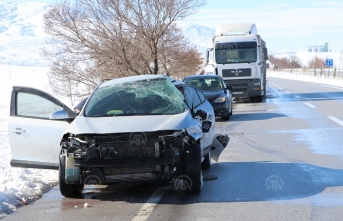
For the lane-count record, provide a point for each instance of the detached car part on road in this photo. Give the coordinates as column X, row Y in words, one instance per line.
column 131, row 130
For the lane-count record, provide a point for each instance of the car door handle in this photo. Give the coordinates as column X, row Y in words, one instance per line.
column 18, row 131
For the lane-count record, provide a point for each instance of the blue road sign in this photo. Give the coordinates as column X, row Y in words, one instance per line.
column 329, row 62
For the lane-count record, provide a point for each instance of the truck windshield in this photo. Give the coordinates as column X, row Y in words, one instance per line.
column 235, row 52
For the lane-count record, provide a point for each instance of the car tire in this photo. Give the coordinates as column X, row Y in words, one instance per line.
column 67, row 190
column 226, row 117
column 206, row 164
column 192, row 169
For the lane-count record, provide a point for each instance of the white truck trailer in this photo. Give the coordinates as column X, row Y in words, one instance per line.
column 239, row 55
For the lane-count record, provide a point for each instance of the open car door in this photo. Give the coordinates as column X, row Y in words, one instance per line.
column 35, row 137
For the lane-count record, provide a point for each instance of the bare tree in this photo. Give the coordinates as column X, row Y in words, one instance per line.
column 316, row 62
column 294, row 62
column 105, row 39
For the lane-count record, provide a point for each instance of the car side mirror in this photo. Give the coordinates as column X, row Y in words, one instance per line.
column 59, row 115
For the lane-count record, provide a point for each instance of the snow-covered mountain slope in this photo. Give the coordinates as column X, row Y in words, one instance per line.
column 22, row 36
column 198, row 35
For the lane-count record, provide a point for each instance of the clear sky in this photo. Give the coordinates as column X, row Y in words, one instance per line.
column 286, row 25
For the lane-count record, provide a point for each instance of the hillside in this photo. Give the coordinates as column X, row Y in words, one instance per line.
column 22, row 36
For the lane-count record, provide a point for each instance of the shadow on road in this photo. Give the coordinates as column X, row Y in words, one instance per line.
column 255, row 116
column 263, row 181
column 236, row 182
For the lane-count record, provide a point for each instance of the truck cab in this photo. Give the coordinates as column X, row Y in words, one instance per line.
column 239, row 55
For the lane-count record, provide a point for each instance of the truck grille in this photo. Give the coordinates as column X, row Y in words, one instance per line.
column 241, row 72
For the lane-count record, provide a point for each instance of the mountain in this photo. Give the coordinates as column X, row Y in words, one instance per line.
column 23, row 38
column 198, row 35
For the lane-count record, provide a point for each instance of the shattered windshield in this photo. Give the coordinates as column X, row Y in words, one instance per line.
column 146, row 97
column 236, row 52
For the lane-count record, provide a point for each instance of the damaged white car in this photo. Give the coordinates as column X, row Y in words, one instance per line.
column 130, row 130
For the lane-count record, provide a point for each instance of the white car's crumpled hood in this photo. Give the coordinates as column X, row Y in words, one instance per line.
column 128, row 124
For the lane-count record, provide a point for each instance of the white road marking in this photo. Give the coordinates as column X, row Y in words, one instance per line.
column 287, row 92
column 326, row 85
column 280, row 88
column 297, row 97
column 149, row 206
column 336, row 120
column 310, row 105
column 325, row 98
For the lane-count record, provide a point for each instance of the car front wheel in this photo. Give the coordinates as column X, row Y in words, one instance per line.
column 192, row 169
column 226, row 117
column 67, row 190
column 206, row 164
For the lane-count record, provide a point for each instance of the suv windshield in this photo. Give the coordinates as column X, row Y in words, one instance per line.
column 205, row 84
column 146, row 97
column 237, row 52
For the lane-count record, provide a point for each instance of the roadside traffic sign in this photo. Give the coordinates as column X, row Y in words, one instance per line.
column 329, row 62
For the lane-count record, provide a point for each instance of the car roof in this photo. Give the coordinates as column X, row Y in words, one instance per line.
column 203, row 77
column 132, row 78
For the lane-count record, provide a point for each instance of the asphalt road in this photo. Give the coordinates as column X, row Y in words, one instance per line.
column 284, row 162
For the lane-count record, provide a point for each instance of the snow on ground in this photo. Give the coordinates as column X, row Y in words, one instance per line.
column 19, row 186
column 306, row 57
column 307, row 77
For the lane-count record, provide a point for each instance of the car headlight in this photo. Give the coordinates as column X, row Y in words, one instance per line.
column 220, row 100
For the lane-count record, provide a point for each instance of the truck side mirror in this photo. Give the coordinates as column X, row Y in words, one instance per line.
column 207, row 56
column 266, row 54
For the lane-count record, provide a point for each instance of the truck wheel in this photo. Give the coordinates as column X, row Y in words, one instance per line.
column 265, row 91
column 259, row 98
column 67, row 190
column 206, row 164
column 192, row 169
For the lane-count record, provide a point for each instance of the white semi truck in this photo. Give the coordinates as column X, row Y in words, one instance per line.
column 239, row 55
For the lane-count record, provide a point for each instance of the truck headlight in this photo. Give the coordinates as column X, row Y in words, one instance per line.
column 220, row 100
column 257, row 83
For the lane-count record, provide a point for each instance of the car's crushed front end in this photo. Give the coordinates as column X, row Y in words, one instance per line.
column 125, row 158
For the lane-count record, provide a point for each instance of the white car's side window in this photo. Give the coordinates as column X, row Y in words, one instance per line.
column 192, row 98
column 202, row 96
column 31, row 105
